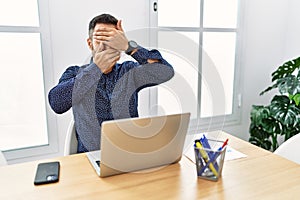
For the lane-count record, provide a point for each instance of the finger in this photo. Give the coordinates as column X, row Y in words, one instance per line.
column 95, row 41
column 119, row 25
column 117, row 58
column 102, row 38
column 111, row 45
column 109, row 54
column 111, row 63
column 113, row 60
column 104, row 33
column 106, row 43
column 113, row 53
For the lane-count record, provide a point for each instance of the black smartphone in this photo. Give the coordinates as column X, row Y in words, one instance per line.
column 47, row 173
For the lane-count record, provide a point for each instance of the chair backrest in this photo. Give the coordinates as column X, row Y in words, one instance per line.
column 290, row 149
column 2, row 159
column 71, row 140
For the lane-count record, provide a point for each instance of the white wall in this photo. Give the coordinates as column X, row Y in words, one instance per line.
column 271, row 37
column 292, row 48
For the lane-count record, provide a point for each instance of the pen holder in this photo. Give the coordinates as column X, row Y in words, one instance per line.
column 209, row 161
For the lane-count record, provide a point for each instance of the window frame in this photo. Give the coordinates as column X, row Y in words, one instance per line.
column 207, row 123
column 48, row 77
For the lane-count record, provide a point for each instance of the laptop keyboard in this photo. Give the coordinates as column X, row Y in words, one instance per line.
column 98, row 162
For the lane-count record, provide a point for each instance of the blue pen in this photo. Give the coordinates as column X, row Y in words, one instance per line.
column 216, row 155
column 211, row 154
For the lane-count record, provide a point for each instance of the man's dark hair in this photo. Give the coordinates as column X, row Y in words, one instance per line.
column 103, row 19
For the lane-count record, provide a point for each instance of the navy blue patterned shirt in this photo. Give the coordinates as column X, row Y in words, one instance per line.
column 96, row 97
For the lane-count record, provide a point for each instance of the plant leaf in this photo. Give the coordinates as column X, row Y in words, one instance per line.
column 283, row 110
column 269, row 88
column 282, row 71
column 272, row 126
column 286, row 69
column 296, row 98
column 259, row 137
column 289, row 85
column 258, row 113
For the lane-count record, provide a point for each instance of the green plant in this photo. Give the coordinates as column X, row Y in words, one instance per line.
column 282, row 116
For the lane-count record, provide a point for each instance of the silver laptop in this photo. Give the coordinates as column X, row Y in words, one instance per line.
column 134, row 144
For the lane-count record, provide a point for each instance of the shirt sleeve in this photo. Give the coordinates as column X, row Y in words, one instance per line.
column 86, row 81
column 72, row 86
column 60, row 96
column 142, row 55
column 150, row 74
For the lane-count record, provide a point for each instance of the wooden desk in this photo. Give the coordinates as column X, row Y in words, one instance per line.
column 262, row 175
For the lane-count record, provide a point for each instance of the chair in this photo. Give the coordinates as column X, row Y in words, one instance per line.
column 2, row 159
column 71, row 140
column 290, row 149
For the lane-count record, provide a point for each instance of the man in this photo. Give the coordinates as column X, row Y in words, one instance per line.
column 104, row 89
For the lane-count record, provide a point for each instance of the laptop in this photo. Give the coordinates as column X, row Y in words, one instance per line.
column 134, row 144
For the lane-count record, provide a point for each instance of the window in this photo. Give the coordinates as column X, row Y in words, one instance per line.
column 200, row 39
column 24, row 124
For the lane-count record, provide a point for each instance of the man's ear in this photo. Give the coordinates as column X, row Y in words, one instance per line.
column 90, row 44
